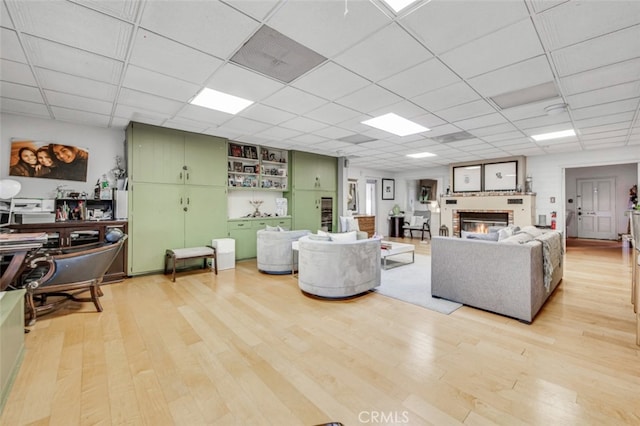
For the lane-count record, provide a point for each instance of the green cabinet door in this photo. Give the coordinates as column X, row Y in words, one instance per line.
column 313, row 171
column 205, row 158
column 156, row 223
column 156, row 154
column 244, row 234
column 205, row 216
column 306, row 210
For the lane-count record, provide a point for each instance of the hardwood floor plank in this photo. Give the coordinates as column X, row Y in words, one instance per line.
column 243, row 347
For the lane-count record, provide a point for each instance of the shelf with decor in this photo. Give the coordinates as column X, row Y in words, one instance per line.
column 247, row 170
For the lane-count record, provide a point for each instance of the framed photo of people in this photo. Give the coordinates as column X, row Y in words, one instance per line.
column 467, row 178
column 501, row 176
column 48, row 160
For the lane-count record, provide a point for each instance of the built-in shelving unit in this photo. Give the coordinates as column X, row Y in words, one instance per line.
column 254, row 167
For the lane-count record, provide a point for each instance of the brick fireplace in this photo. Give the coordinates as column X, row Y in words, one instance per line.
column 518, row 209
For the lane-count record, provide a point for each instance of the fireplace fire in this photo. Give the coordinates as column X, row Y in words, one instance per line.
column 473, row 221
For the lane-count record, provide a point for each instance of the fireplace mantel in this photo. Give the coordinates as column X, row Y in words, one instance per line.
column 521, row 208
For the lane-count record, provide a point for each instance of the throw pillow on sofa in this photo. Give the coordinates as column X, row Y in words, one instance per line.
column 271, row 228
column 348, row 224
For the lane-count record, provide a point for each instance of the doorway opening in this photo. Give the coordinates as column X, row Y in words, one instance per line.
column 370, row 197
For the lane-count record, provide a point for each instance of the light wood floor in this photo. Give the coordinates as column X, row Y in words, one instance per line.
column 246, row 348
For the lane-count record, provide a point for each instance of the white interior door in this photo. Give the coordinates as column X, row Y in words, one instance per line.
column 596, row 208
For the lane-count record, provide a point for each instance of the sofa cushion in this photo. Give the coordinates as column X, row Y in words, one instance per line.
column 491, row 236
column 532, row 230
column 416, row 221
column 520, row 238
column 344, row 236
column 348, row 224
column 272, row 228
column 315, row 237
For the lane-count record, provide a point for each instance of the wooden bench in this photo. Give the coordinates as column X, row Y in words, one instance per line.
column 188, row 253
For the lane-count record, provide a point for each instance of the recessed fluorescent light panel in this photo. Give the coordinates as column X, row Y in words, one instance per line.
column 219, row 101
column 553, row 135
column 421, row 155
column 398, row 5
column 395, row 124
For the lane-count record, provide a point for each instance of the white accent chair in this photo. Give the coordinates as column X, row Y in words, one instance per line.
column 274, row 254
column 338, row 269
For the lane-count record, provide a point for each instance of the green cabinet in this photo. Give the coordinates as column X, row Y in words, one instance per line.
column 313, row 195
column 244, row 230
column 180, row 200
column 314, row 171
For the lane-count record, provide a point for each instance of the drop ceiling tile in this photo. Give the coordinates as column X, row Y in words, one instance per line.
column 322, row 25
column 165, row 56
column 428, row 120
column 468, row 110
column 161, row 85
column 204, row 115
column 469, row 143
column 445, row 25
column 445, row 129
column 148, row 102
column 333, row 146
column 599, row 78
column 605, row 128
column 66, row 83
column 598, row 52
column 333, row 132
column 378, row 56
column 266, row 114
column 5, row 21
column 369, row 98
column 67, row 101
column 10, row 46
column 446, row 97
column 526, row 151
column 332, row 113
column 294, row 100
column 57, row 57
column 241, row 82
column 614, row 136
column 80, row 117
column 608, row 94
column 623, row 117
column 140, row 115
column 73, row 25
column 528, row 73
column 20, row 92
column 125, row 9
column 249, row 127
column 542, row 5
column 573, row 22
column 604, row 145
column 119, row 123
column 424, row 77
column 507, row 46
column 535, row 109
column 220, row 28
column 563, row 147
column 278, row 133
column 186, row 125
column 330, row 81
column 507, row 143
column 310, row 139
column 496, row 132
column 303, row 124
column 256, row 9
column 543, row 121
column 482, row 121
column 16, row 72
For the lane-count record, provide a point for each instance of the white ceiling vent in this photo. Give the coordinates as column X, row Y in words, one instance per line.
column 453, row 137
column 525, row 96
column 276, row 55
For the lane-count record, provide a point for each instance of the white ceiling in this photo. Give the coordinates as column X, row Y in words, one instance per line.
column 108, row 62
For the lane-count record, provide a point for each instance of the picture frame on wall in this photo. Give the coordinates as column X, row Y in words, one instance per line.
column 388, row 189
column 501, row 176
column 467, row 178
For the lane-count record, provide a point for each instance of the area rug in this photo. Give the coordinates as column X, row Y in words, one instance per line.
column 412, row 283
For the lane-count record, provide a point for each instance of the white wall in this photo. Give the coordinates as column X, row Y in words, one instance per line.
column 103, row 145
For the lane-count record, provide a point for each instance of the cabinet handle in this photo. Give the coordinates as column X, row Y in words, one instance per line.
column 187, row 200
column 180, row 175
column 180, row 200
column 187, row 176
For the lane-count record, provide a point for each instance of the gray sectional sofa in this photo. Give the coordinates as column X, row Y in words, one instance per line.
column 506, row 277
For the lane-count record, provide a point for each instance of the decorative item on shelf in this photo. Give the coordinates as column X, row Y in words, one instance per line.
column 256, row 205
column 528, row 185
column 235, row 150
